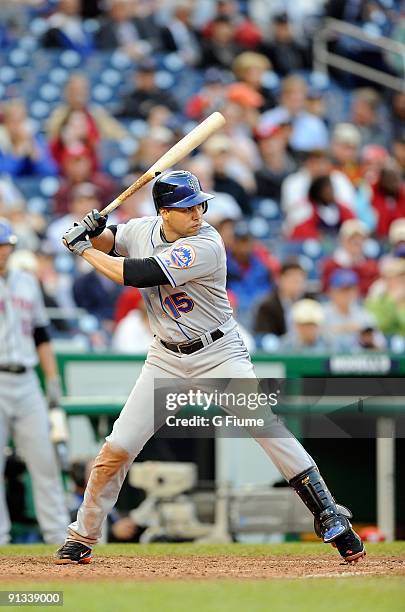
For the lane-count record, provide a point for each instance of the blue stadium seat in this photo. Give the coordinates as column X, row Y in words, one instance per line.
column 50, row 92
column 38, row 205
column 119, row 167
column 19, row 57
column 70, row 59
column 267, row 208
column 8, row 75
column 39, row 110
column 172, row 61
column 120, row 61
column 164, row 79
column 102, row 94
column 49, row 185
column 259, row 227
column 29, row 186
column 58, row 75
column 111, row 77
column 108, row 151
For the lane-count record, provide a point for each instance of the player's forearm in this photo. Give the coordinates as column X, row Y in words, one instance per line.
column 47, row 360
column 111, row 267
column 104, row 242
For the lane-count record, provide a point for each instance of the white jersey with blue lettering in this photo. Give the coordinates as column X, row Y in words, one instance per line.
column 21, row 311
column 194, row 300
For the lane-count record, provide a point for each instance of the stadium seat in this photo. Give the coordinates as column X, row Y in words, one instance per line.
column 259, row 227
column 119, row 167
column 38, row 205
column 49, row 185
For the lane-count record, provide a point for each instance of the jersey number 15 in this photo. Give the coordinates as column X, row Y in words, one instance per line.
column 179, row 303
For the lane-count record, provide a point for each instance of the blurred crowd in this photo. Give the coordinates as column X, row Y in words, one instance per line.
column 308, row 171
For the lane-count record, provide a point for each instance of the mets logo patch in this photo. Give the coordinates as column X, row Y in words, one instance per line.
column 181, row 256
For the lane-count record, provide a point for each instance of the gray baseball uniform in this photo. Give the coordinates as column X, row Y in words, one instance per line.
column 23, row 410
column 191, row 305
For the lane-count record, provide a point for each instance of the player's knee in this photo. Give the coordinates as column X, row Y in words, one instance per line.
column 111, row 457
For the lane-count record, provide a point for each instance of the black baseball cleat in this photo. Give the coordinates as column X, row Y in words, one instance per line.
column 73, row 552
column 350, row 546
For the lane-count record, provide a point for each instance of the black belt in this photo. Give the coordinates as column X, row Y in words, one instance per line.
column 191, row 347
column 13, row 369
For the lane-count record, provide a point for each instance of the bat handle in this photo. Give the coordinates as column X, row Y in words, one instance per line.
column 110, row 207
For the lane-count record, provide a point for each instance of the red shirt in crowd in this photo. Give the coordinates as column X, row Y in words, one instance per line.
column 387, row 208
column 366, row 269
column 313, row 226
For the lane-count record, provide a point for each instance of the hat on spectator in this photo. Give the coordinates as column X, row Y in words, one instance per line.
column 277, row 116
column 241, row 230
column 280, row 17
column 249, row 59
column 392, row 266
column 307, row 311
column 269, row 129
column 160, row 134
column 346, row 133
column 315, row 93
column 397, row 231
column 341, row 279
column 147, row 65
column 351, row 227
column 218, row 143
column 243, row 94
column 374, row 153
column 214, row 75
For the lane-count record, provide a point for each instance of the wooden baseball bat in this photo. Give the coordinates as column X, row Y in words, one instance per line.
column 178, row 152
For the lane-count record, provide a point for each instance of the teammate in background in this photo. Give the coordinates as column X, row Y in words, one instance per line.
column 23, row 411
column 179, row 261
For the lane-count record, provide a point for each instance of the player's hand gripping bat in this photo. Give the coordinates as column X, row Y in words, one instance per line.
column 178, row 152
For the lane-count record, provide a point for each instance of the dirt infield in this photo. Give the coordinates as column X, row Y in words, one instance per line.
column 199, row 567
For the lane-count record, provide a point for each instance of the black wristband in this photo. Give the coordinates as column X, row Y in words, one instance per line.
column 41, row 335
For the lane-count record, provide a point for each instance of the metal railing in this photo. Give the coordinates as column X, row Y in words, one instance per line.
column 323, row 58
column 69, row 312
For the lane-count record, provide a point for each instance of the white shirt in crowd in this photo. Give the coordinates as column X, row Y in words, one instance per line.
column 132, row 334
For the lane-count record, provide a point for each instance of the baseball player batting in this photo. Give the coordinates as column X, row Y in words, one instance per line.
column 23, row 411
column 179, row 263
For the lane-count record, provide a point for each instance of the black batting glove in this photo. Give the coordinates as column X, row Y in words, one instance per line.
column 94, row 223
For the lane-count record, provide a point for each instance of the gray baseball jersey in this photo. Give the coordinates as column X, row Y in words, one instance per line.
column 194, row 301
column 21, row 310
column 23, row 410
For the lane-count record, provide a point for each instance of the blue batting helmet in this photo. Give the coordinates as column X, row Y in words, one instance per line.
column 178, row 189
column 7, row 235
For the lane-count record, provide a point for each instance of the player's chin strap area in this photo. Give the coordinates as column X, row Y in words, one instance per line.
column 331, row 519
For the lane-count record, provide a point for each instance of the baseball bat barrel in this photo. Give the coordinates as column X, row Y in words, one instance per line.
column 177, row 152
